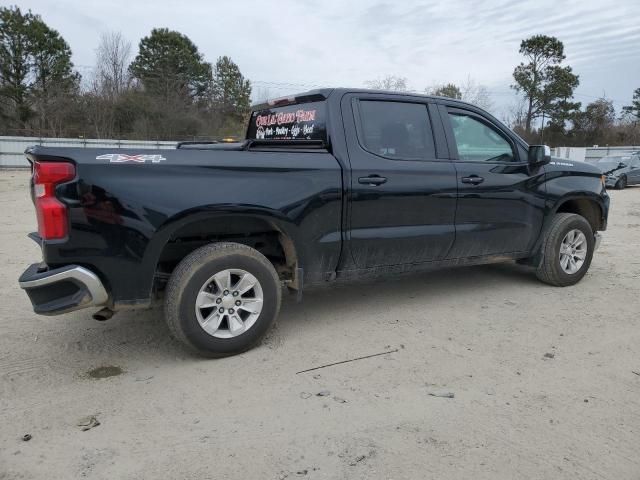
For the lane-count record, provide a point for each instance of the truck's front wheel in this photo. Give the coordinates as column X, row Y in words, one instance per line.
column 567, row 250
column 222, row 298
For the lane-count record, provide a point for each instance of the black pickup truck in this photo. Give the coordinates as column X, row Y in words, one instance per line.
column 329, row 185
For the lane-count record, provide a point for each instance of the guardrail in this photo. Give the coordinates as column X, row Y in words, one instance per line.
column 12, row 148
column 591, row 154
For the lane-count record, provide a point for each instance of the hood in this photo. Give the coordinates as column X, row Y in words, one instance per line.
column 564, row 164
column 611, row 168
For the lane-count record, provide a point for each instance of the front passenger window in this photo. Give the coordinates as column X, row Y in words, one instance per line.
column 477, row 142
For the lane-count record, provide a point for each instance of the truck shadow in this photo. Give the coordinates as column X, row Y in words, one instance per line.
column 486, row 280
column 143, row 335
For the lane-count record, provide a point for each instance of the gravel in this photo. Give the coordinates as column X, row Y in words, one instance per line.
column 469, row 331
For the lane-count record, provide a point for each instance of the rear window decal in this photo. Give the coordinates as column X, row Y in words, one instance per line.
column 290, row 122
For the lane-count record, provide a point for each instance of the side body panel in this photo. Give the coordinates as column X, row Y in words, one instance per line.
column 504, row 213
column 409, row 218
column 123, row 214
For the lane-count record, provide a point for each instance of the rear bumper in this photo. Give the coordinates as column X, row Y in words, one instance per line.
column 62, row 290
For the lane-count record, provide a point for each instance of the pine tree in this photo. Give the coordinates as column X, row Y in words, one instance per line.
column 231, row 95
column 15, row 66
column 169, row 64
column 36, row 74
column 545, row 84
column 449, row 90
column 633, row 110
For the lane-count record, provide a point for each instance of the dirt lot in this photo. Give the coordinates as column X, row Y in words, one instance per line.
column 543, row 378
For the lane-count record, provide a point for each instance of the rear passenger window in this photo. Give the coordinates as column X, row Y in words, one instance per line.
column 396, row 130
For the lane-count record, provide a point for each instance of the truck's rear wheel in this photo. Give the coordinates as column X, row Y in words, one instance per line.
column 567, row 250
column 222, row 298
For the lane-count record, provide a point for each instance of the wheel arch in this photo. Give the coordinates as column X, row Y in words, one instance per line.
column 267, row 232
column 589, row 207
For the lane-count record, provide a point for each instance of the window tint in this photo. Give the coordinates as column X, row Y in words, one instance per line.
column 396, row 130
column 477, row 142
column 291, row 122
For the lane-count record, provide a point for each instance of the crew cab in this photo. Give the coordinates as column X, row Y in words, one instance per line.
column 329, row 185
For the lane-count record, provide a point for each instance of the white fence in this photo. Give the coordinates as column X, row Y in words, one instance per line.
column 12, row 148
column 591, row 154
column 570, row 153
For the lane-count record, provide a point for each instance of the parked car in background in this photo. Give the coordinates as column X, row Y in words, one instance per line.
column 620, row 170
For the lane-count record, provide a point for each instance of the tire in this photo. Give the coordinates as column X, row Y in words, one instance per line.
column 186, row 318
column 621, row 184
column 551, row 270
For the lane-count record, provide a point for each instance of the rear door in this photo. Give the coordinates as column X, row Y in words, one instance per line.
column 402, row 197
column 500, row 201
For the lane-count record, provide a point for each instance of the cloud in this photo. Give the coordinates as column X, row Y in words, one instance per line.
column 288, row 45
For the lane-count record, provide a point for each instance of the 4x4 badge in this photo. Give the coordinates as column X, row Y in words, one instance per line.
column 122, row 158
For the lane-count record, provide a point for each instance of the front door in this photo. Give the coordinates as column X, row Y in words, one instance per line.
column 500, row 201
column 402, row 199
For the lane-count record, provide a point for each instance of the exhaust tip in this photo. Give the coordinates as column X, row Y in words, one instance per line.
column 104, row 314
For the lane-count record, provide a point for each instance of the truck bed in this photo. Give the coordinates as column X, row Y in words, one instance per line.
column 126, row 207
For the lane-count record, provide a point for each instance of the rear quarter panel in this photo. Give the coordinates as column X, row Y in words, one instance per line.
column 122, row 214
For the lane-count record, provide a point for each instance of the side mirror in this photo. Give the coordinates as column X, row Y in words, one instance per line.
column 539, row 154
column 622, row 165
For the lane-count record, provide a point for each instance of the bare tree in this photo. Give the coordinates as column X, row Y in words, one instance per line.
column 475, row 93
column 628, row 131
column 111, row 80
column 389, row 82
column 261, row 95
column 113, row 56
column 470, row 91
column 515, row 117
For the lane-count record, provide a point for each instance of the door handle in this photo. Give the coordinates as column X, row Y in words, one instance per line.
column 473, row 179
column 373, row 180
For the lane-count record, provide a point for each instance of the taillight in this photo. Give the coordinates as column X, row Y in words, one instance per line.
column 51, row 212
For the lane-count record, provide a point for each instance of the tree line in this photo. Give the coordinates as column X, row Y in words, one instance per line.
column 547, row 89
column 169, row 91
column 546, row 111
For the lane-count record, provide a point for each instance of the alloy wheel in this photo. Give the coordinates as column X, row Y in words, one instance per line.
column 229, row 303
column 573, row 251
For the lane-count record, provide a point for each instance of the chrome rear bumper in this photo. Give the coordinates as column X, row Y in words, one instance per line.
column 62, row 290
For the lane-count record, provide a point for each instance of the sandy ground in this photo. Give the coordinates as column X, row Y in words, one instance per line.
column 481, row 333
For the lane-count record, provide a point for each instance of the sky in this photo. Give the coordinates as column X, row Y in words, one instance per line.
column 288, row 46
